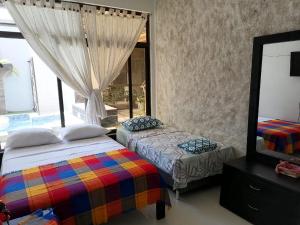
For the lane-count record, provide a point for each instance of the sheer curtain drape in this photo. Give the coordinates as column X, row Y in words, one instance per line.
column 112, row 36
column 56, row 35
column 79, row 45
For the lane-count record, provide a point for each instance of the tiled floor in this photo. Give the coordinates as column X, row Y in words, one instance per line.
column 197, row 208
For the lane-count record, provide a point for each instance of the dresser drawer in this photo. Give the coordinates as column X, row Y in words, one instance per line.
column 258, row 200
column 264, row 202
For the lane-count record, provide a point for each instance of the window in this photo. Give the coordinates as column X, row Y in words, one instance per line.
column 128, row 96
column 29, row 94
column 32, row 96
column 74, row 106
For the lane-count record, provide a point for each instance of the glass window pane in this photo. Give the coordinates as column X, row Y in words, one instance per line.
column 74, row 106
column 138, row 82
column 116, row 99
column 28, row 92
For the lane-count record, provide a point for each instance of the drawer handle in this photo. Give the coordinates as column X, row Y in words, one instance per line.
column 253, row 208
column 254, row 188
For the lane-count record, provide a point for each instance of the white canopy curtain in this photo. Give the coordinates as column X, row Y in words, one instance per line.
column 112, row 36
column 56, row 33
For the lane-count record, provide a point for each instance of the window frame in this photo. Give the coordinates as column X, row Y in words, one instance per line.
column 146, row 47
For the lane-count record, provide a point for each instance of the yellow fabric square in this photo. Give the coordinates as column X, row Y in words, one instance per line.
column 87, row 176
column 128, row 165
column 75, row 160
column 102, row 172
column 141, row 200
column 36, row 190
column 31, row 170
column 99, row 215
column 116, row 152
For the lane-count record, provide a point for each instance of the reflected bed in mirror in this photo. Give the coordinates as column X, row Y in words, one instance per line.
column 278, row 127
column 274, row 114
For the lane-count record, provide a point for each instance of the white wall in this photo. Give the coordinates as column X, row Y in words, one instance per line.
column 17, row 87
column 69, row 98
column 279, row 92
column 46, row 82
column 46, row 85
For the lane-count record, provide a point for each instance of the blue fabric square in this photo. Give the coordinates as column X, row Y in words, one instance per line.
column 14, row 186
column 141, row 123
column 198, row 146
column 81, row 202
column 127, row 187
column 113, row 192
column 109, row 163
column 67, row 173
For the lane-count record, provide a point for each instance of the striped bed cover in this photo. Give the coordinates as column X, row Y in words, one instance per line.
column 85, row 190
column 281, row 136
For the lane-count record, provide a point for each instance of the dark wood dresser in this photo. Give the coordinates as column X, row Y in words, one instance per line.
column 255, row 192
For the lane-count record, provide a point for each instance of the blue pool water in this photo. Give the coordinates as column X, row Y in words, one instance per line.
column 18, row 121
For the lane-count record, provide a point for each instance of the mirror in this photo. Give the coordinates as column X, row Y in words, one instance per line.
column 278, row 123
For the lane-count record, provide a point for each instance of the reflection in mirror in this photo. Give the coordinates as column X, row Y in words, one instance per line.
column 278, row 127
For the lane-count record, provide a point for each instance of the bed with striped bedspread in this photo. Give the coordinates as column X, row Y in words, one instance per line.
column 281, row 136
column 85, row 190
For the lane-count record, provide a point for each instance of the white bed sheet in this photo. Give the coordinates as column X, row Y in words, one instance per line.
column 24, row 158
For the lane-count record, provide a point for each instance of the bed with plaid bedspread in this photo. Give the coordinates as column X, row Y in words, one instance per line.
column 85, row 190
column 281, row 136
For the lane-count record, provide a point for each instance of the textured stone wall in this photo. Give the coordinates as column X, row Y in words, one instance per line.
column 203, row 61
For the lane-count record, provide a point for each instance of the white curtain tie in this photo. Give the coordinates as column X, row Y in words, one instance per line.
column 95, row 109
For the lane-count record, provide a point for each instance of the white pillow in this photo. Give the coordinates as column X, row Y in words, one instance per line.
column 82, row 131
column 31, row 137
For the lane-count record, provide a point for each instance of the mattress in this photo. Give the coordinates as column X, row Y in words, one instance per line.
column 159, row 146
column 24, row 158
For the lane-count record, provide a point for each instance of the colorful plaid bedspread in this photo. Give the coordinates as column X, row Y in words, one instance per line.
column 86, row 190
column 281, row 136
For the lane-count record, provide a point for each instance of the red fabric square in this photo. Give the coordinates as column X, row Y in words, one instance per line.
column 114, row 208
column 59, row 195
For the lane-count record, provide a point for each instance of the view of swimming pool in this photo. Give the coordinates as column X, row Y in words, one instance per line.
column 13, row 122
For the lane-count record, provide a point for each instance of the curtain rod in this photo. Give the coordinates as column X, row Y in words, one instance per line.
column 105, row 6
column 139, row 13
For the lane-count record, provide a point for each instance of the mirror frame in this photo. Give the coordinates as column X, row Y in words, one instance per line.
column 268, row 157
